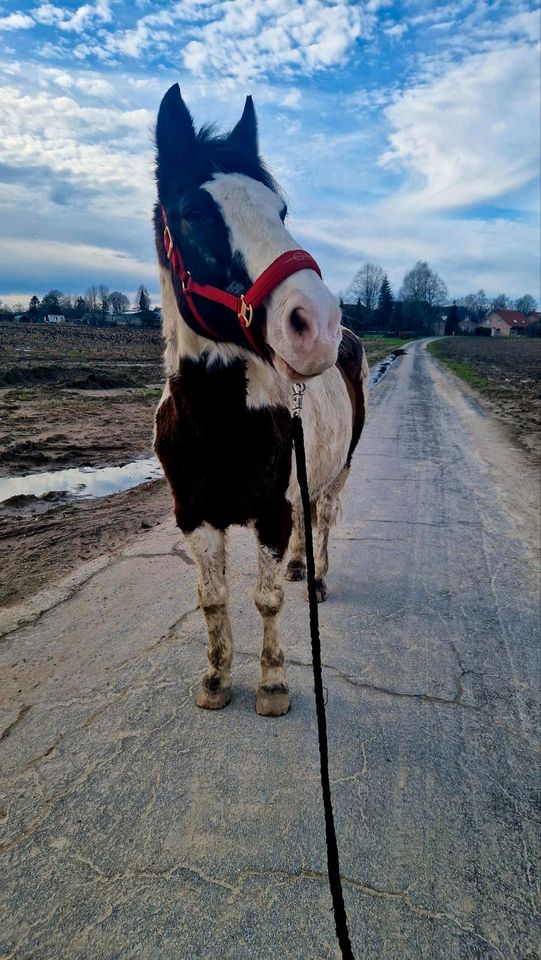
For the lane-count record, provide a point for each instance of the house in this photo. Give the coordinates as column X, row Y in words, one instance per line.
column 54, row 318
column 466, row 323
column 505, row 323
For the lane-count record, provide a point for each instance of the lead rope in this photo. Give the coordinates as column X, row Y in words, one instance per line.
column 333, row 864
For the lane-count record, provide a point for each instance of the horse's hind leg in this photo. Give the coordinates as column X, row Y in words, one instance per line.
column 327, row 509
column 296, row 568
column 208, row 548
column 273, row 692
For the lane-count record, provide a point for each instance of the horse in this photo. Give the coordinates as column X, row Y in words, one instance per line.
column 245, row 315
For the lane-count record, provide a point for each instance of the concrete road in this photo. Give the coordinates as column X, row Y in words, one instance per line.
column 136, row 826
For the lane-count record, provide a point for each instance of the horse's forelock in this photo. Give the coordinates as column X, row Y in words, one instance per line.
column 211, row 153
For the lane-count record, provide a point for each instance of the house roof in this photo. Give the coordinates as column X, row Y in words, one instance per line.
column 513, row 317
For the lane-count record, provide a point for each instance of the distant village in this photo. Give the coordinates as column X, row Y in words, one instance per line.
column 98, row 307
column 421, row 308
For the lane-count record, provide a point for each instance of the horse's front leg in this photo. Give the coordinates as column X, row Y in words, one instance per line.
column 273, row 692
column 208, row 548
column 296, row 568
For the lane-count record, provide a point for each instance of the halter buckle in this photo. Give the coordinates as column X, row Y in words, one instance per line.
column 246, row 312
column 185, row 282
column 167, row 233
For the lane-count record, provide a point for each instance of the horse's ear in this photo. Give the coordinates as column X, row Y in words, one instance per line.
column 245, row 133
column 175, row 134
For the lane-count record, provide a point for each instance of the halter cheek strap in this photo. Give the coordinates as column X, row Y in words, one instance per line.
column 244, row 306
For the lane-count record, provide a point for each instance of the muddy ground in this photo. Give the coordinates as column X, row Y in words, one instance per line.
column 58, row 409
column 507, row 373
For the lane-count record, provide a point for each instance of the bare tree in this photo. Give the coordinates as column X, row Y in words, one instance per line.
column 423, row 285
column 92, row 297
column 501, row 302
column 103, row 300
column 366, row 285
column 477, row 304
column 526, row 304
column 66, row 303
column 119, row 302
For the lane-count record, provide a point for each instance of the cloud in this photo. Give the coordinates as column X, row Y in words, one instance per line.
column 487, row 254
column 89, row 83
column 16, row 21
column 259, row 37
column 239, row 39
column 468, row 137
column 395, row 29
column 292, row 99
column 73, row 21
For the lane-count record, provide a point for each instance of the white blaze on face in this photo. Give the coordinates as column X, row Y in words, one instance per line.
column 303, row 317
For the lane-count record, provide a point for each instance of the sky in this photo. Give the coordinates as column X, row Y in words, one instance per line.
column 399, row 131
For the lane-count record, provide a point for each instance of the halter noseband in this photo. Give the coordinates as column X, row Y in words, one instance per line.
column 244, row 306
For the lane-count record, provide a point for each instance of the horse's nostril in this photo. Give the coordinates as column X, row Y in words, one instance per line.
column 297, row 321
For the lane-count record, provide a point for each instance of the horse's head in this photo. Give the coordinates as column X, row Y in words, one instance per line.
column 226, row 216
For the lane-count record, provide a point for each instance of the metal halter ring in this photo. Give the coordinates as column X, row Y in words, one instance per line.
column 246, row 312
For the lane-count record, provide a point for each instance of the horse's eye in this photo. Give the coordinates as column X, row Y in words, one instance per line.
column 194, row 215
column 283, row 213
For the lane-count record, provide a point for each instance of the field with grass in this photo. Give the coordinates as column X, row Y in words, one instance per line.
column 506, row 372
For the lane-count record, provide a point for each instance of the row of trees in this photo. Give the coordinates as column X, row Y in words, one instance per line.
column 418, row 305
column 375, row 308
column 479, row 305
column 98, row 303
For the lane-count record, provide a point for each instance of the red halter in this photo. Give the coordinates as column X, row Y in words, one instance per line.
column 290, row 262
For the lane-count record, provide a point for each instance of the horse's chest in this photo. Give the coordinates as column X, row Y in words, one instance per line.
column 224, row 462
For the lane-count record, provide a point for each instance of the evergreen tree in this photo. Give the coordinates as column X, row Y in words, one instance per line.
column 142, row 298
column 451, row 324
column 33, row 305
column 385, row 303
column 397, row 316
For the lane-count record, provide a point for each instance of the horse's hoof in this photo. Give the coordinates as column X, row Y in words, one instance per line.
column 272, row 703
column 216, row 700
column 321, row 591
column 296, row 570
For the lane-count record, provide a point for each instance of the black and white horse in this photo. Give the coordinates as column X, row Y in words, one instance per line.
column 223, row 426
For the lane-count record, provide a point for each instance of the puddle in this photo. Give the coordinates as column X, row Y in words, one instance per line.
column 89, row 482
column 82, row 482
column 379, row 371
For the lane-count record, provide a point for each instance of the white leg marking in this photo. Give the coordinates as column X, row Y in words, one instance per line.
column 208, row 548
